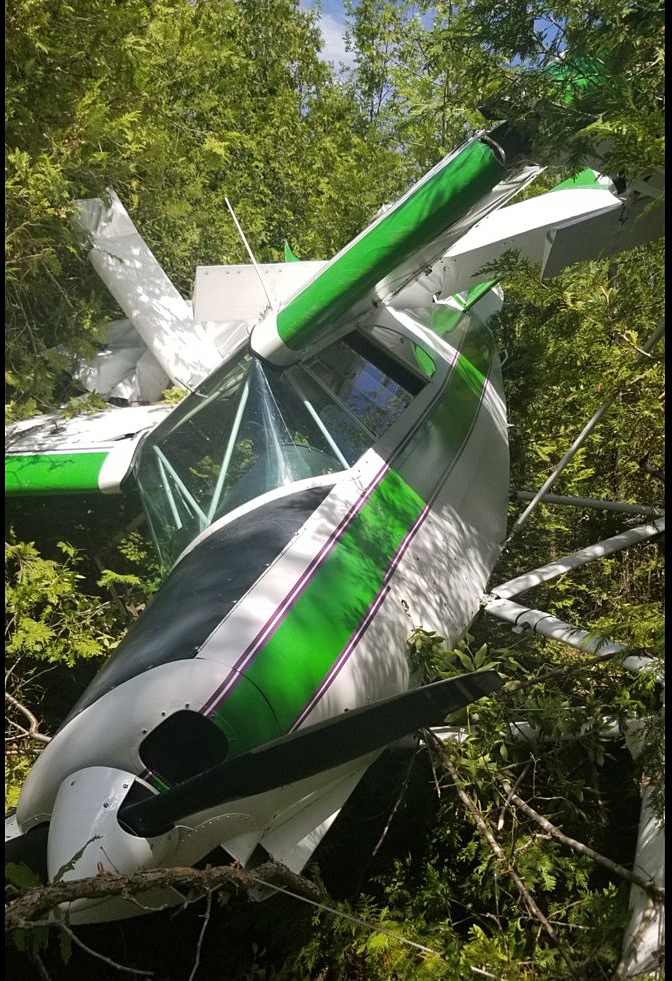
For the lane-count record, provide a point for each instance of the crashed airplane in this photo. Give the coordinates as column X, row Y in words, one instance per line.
column 339, row 464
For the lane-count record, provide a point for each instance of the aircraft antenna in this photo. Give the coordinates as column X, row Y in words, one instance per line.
column 269, row 297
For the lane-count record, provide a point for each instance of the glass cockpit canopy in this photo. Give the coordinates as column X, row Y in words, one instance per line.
column 250, row 428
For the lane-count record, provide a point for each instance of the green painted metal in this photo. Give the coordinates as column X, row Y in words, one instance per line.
column 289, row 255
column 158, row 782
column 53, row 473
column 444, row 432
column 302, row 650
column 296, row 659
column 248, row 720
column 423, row 361
column 576, row 76
column 445, row 319
column 476, row 292
column 433, row 206
column 588, row 179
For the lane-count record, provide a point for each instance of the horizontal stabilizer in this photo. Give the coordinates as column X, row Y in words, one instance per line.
column 234, row 293
column 521, row 228
column 135, row 279
column 601, row 235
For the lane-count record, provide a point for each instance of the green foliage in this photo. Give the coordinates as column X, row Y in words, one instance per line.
column 173, row 395
column 48, row 618
column 17, row 767
column 84, row 405
column 425, row 653
column 177, row 105
column 442, row 76
column 20, row 875
column 63, row 615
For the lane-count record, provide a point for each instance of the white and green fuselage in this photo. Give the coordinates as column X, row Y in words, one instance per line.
column 406, row 535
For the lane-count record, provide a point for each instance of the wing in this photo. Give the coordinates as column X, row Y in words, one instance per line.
column 52, row 454
column 404, row 240
column 438, row 237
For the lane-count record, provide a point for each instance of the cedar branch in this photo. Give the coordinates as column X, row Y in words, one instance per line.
column 498, row 851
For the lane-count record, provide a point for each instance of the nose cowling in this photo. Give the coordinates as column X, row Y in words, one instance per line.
column 85, row 837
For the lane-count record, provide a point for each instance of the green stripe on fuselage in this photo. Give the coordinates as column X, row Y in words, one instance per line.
column 53, row 473
column 302, row 650
column 439, row 440
column 296, row 659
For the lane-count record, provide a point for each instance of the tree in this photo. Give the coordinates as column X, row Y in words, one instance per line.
column 178, row 105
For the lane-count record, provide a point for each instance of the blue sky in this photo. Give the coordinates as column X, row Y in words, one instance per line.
column 332, row 23
column 333, row 28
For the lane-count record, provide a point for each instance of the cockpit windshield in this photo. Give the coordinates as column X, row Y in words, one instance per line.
column 250, row 428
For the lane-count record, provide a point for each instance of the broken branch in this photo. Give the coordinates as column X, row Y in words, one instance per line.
column 22, row 912
column 34, row 731
column 498, row 851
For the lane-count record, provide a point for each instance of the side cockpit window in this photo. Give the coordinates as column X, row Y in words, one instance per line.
column 363, row 390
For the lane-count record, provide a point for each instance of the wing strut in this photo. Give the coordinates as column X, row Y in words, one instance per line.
column 632, row 536
column 591, row 502
column 580, row 439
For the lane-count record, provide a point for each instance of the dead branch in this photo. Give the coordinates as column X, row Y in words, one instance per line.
column 394, row 810
column 656, row 472
column 578, row 846
column 118, row 602
column 498, row 851
column 31, row 905
column 34, row 731
column 428, row 744
column 521, row 775
column 41, row 969
column 206, row 920
column 564, row 671
column 642, row 353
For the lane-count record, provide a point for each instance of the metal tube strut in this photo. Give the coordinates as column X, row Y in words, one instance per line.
column 187, row 496
column 580, row 439
column 589, row 502
column 524, row 618
column 318, row 422
column 513, row 587
column 224, row 469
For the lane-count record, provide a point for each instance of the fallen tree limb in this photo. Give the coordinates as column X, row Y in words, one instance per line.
column 35, row 902
column 578, row 846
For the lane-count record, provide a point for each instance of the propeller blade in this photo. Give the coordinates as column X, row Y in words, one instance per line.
column 307, row 752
